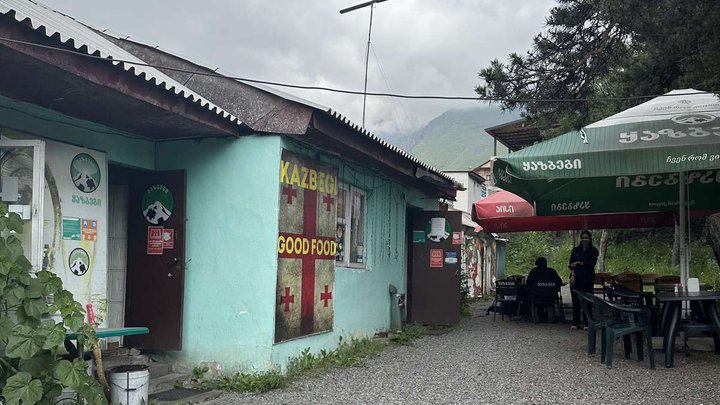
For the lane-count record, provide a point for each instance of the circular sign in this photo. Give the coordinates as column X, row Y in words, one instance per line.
column 85, row 173
column 79, row 261
column 157, row 204
column 437, row 229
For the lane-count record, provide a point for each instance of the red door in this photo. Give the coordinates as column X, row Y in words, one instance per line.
column 156, row 259
column 435, row 267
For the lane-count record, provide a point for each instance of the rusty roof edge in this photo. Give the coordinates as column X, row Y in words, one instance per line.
column 393, row 148
column 51, row 22
column 496, row 127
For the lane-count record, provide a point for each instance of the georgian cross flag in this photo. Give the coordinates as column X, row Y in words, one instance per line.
column 306, row 248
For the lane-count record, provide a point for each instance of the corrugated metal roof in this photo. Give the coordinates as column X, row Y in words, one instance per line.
column 86, row 40
column 311, row 104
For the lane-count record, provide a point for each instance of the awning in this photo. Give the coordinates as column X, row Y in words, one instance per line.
column 506, row 212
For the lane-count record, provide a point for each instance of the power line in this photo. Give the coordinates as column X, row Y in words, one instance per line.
column 343, row 91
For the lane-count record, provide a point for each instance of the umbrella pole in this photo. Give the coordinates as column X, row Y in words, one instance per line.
column 683, row 242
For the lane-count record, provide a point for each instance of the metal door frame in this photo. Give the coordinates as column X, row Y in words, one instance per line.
column 38, row 198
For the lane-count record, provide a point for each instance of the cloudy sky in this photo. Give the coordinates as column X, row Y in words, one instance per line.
column 418, row 47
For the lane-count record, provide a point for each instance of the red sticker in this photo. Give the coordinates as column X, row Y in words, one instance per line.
column 155, row 240
column 457, row 238
column 436, row 257
column 168, row 238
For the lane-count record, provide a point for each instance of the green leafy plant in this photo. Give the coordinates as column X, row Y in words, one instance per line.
column 31, row 367
column 350, row 354
column 408, row 334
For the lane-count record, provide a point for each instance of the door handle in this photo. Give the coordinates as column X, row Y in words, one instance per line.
column 172, row 263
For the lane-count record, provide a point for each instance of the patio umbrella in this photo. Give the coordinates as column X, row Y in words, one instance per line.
column 504, row 211
column 634, row 161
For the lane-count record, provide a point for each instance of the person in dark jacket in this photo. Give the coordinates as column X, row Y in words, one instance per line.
column 539, row 279
column 542, row 273
column 582, row 273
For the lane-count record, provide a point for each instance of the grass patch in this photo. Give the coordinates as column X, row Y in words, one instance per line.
column 407, row 335
column 347, row 354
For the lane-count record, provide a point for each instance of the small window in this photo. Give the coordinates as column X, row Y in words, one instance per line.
column 351, row 227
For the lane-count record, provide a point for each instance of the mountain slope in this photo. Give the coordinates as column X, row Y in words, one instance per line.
column 456, row 140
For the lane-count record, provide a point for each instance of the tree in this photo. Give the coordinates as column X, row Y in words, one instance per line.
column 609, row 55
column 627, row 50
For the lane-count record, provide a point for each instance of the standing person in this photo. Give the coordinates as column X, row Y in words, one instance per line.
column 582, row 273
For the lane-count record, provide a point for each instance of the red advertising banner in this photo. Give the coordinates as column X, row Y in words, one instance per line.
column 306, row 247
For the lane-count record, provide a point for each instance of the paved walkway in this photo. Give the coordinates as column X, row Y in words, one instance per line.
column 504, row 362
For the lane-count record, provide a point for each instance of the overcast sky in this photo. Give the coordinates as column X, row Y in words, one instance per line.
column 418, row 47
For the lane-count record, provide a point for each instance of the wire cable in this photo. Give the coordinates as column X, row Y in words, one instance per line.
column 343, row 91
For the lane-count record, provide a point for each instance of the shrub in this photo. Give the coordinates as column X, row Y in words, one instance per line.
column 30, row 364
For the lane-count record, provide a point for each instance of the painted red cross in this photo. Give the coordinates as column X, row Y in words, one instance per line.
column 307, row 304
column 328, row 201
column 287, row 299
column 325, row 296
column 290, row 192
column 308, row 257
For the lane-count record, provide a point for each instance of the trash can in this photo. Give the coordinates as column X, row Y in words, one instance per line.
column 397, row 306
column 129, row 385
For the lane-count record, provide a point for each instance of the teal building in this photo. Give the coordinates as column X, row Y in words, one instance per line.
column 240, row 224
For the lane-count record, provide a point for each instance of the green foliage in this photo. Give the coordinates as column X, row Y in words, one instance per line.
column 408, row 334
column 641, row 251
column 245, row 382
column 524, row 247
column 30, row 363
column 199, row 372
column 609, row 48
column 350, row 354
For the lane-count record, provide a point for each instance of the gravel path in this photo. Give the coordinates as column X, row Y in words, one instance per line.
column 503, row 362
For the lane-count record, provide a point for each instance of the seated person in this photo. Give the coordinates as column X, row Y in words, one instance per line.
column 542, row 277
column 541, row 273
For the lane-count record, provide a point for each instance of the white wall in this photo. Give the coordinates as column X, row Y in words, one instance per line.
column 466, row 198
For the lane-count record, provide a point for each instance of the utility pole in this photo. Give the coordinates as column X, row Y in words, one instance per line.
column 367, row 51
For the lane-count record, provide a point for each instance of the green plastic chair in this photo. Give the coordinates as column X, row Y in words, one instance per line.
column 589, row 304
column 628, row 321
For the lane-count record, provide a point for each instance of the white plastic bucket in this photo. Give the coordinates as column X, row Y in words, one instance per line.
column 129, row 385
